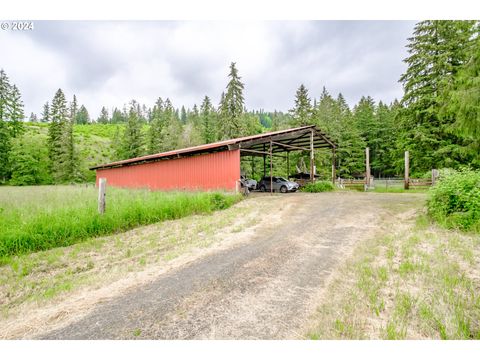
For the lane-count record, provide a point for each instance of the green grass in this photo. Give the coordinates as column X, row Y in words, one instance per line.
column 45, row 217
column 416, row 282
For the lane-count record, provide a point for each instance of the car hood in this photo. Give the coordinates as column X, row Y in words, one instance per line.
column 292, row 183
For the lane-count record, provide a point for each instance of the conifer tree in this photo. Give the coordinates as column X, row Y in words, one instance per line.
column 5, row 96
column 302, row 112
column 351, row 146
column 172, row 129
column 69, row 160
column 33, row 118
column 56, row 147
column 155, row 132
column 74, row 109
column 463, row 99
column 16, row 112
column 103, row 118
column 118, row 116
column 207, row 120
column 183, row 115
column 232, row 107
column 195, row 115
column 437, row 50
column 46, row 113
column 132, row 142
column 5, row 135
column 82, row 117
column 5, row 147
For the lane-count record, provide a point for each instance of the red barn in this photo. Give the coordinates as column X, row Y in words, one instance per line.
column 213, row 166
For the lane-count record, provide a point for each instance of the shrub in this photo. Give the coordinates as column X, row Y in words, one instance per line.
column 454, row 201
column 319, row 186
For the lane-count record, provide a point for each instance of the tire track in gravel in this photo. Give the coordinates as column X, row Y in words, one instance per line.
column 264, row 288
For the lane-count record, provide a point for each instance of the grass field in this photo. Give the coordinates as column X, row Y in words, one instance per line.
column 420, row 282
column 44, row 217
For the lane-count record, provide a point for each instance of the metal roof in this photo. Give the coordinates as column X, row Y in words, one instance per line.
column 290, row 138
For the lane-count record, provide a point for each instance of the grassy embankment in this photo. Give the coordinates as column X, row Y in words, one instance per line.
column 41, row 218
column 35, row 280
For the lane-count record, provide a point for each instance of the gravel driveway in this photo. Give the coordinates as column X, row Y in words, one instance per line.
column 264, row 288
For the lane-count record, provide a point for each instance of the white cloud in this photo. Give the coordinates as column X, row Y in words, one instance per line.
column 109, row 63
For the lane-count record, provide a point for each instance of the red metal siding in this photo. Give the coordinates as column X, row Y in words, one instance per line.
column 212, row 171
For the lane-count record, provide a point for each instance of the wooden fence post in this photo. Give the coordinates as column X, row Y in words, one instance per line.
column 102, row 187
column 271, row 167
column 312, row 160
column 334, row 172
column 407, row 171
column 367, row 164
column 434, row 176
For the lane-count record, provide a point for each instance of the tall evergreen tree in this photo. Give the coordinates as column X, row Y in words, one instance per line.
column 437, row 50
column 208, row 123
column 5, row 135
column 463, row 98
column 5, row 96
column 46, row 113
column 232, row 106
column 74, row 109
column 82, row 117
column 172, row 129
column 5, row 147
column 118, row 117
column 302, row 112
column 16, row 112
column 33, row 118
column 183, row 115
column 350, row 154
column 56, row 147
column 132, row 142
column 69, row 159
column 157, row 123
column 103, row 118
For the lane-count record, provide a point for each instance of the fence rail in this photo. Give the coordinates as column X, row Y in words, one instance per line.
column 383, row 182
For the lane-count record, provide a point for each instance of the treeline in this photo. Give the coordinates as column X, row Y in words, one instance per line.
column 437, row 120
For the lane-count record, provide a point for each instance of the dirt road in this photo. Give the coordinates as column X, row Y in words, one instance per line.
column 263, row 288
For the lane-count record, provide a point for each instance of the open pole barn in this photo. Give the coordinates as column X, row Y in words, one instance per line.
column 214, row 166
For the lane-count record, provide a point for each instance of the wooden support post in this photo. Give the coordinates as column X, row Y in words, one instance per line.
column 264, row 162
column 407, row 171
column 102, row 187
column 367, row 164
column 252, row 166
column 288, row 165
column 312, row 160
column 334, row 169
column 271, row 166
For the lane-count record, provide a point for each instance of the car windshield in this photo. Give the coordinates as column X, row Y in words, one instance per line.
column 281, row 179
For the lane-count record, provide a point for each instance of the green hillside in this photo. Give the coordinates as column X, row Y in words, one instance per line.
column 93, row 144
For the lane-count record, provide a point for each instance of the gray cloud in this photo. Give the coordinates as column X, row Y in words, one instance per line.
column 108, row 63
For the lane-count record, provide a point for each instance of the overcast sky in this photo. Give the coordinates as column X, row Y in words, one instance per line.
column 109, row 63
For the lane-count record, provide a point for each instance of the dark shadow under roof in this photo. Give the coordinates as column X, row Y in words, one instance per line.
column 284, row 141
